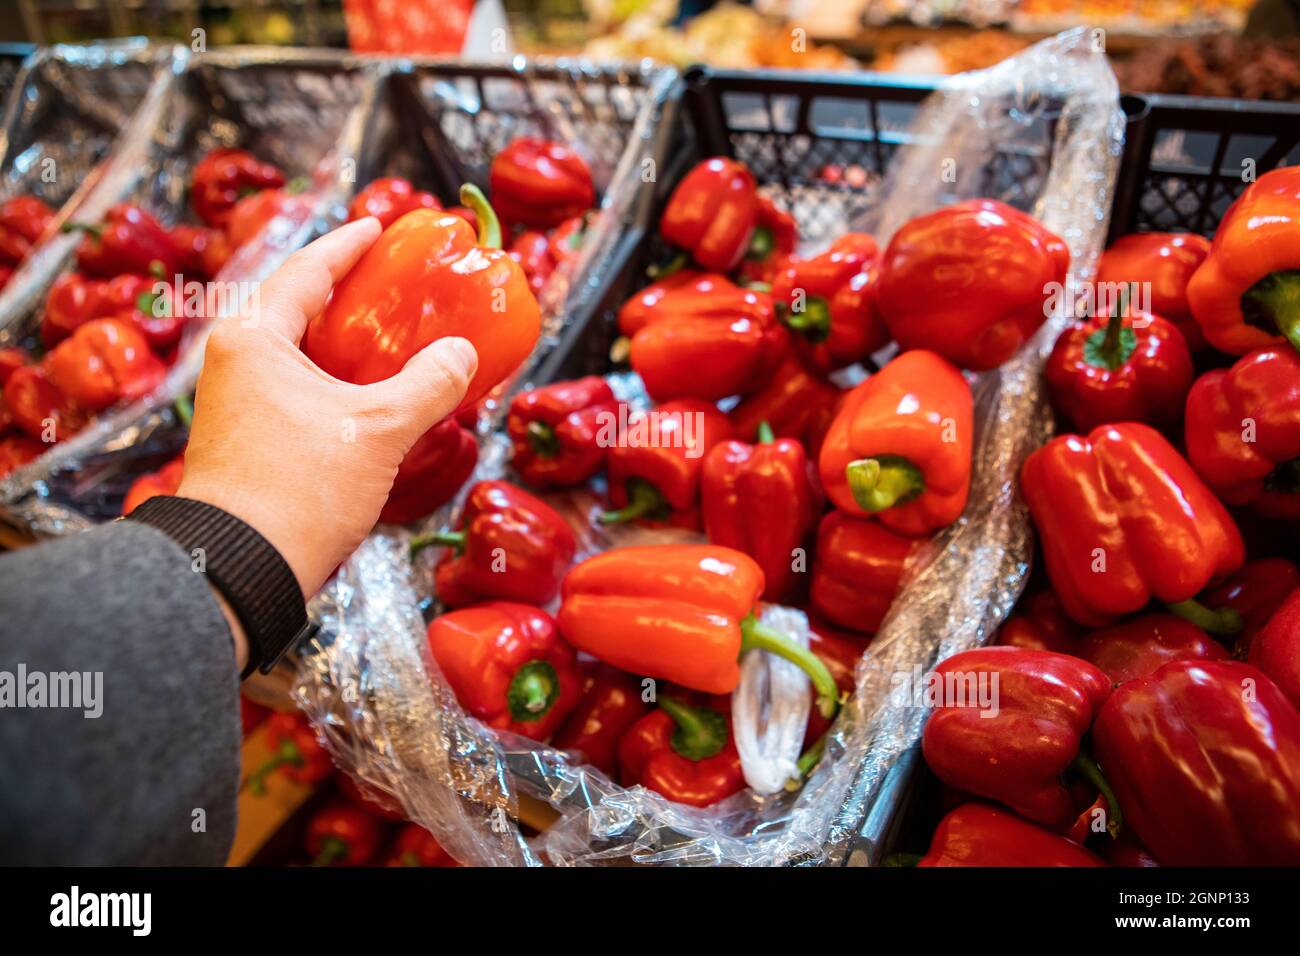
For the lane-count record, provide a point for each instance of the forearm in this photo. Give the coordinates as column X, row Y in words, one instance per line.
column 141, row 763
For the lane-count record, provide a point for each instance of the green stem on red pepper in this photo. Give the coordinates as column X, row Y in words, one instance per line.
column 813, row 322
column 445, row 539
column 332, row 849
column 765, row 434
column 1273, row 304
column 1222, row 622
column 757, row 635
column 808, row 760
column 489, row 226
column 184, row 410
column 542, row 439
column 761, row 245
column 884, row 481
column 286, row 756
column 1088, row 768
column 643, row 501
column 1112, row 346
column 700, row 733
column 534, row 688
column 676, row 264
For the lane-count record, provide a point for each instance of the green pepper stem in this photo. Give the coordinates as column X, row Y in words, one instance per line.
column 297, row 185
column 756, row 635
column 902, row 859
column 94, row 230
column 1274, row 302
column 446, row 539
column 761, row 244
column 880, row 483
column 331, row 850
column 765, row 434
column 813, row 322
column 1222, row 622
column 533, row 690
column 184, row 406
column 1086, row 766
column 489, row 226
column 643, row 499
column 807, row 761
column 542, row 439
column 286, row 756
column 676, row 264
column 700, row 733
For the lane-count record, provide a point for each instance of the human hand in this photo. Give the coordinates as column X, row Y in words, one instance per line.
column 305, row 459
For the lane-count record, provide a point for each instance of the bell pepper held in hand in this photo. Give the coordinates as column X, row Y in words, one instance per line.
column 1243, row 431
column 978, row 835
column 1276, row 649
column 388, row 199
column 339, row 834
column 104, row 362
column 1130, row 366
column 510, row 547
column 297, row 753
column 857, row 570
column 1124, row 519
column 128, row 240
column 1205, row 758
column 795, row 401
column 763, row 500
column 1138, row 647
column 610, row 706
column 971, row 281
column 508, row 666
column 440, row 461
column 554, row 430
column 1010, row 723
column 1039, row 624
column 683, row 613
column 698, row 335
column 713, row 213
column 1246, row 294
column 900, row 446
column 538, row 183
column 655, row 463
column 828, row 301
column 223, row 177
column 1165, row 261
column 685, row 753
column 426, row 278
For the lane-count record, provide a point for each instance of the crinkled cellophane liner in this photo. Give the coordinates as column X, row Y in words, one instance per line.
column 388, row 717
column 293, row 108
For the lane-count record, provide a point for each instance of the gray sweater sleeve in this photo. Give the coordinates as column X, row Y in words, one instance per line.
column 152, row 778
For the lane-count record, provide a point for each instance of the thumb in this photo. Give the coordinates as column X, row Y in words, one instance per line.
column 431, row 384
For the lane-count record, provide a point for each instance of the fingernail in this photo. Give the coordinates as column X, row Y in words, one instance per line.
column 464, row 352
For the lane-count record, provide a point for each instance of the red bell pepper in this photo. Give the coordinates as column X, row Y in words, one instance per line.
column 155, row 315
column 165, row 481
column 17, row 450
column 39, row 408
column 374, row 802
column 1010, row 723
column 1124, row 519
column 251, row 715
column 796, row 402
column 698, row 335
column 73, row 300
column 340, row 834
column 104, row 362
column 12, row 358
column 610, row 706
column 554, row 430
column 538, row 183
column 773, row 242
column 683, row 613
column 297, row 752
column 1132, row 366
column 979, row 835
column 388, row 199
column 900, row 446
column 426, row 278
column 1205, row 759
column 416, row 846
column 1138, row 647
column 1276, row 650
column 1255, row 592
column 250, row 215
column 713, row 213
column 857, row 570
column 532, row 250
column 970, row 281
column 13, row 250
column 654, row 464
column 508, row 666
column 828, row 301
column 685, row 753
column 1246, row 295
column 26, row 216
column 1128, row 851
column 128, row 240
column 1243, row 431
column 440, row 461
column 202, row 251
column 223, row 177
column 763, row 500
column 1040, row 624
column 1165, row 261
column 510, row 547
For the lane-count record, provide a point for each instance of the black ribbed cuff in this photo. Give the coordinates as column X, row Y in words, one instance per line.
column 250, row 573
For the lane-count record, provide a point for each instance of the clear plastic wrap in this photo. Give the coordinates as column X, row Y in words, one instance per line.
column 292, row 108
column 387, row 715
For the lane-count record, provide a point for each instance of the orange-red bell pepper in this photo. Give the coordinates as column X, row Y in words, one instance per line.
column 900, row 446
column 555, row 430
column 970, row 281
column 426, row 278
column 857, row 570
column 1246, row 294
column 713, row 213
column 17, row 450
column 165, row 481
column 795, row 401
column 1123, row 519
column 538, row 183
column 683, row 613
column 39, row 408
column 103, row 362
column 251, row 214
column 1165, row 261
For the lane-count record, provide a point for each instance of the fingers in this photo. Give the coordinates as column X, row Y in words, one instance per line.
column 430, row 385
column 297, row 290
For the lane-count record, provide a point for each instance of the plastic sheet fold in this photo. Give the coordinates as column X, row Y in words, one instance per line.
column 1042, row 131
